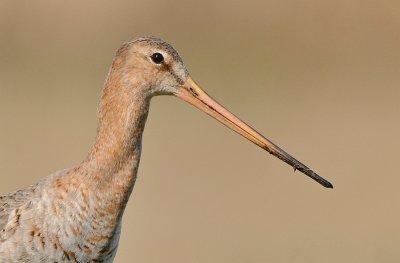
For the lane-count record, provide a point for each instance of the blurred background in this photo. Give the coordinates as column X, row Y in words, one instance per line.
column 319, row 78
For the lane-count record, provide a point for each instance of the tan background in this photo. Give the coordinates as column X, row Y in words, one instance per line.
column 320, row 78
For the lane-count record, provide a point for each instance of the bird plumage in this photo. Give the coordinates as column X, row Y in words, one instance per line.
column 12, row 201
column 54, row 221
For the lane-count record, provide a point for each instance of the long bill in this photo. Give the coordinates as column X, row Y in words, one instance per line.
column 193, row 94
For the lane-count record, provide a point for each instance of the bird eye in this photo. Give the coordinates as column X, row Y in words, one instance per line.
column 157, row 58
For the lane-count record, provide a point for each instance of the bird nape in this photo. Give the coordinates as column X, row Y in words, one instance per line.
column 74, row 215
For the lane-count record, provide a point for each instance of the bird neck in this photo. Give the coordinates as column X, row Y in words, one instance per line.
column 113, row 161
column 107, row 176
column 120, row 131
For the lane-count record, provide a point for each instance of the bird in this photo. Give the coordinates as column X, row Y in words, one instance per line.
column 74, row 215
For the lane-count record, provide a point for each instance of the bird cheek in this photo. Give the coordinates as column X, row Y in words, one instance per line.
column 165, row 90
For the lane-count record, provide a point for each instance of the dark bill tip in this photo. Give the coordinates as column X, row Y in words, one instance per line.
column 310, row 173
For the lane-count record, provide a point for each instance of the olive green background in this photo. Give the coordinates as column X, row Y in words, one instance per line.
column 319, row 78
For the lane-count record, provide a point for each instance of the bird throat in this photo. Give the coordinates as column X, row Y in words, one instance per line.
column 113, row 161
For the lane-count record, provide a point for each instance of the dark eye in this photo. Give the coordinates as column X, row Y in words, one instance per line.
column 157, row 58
